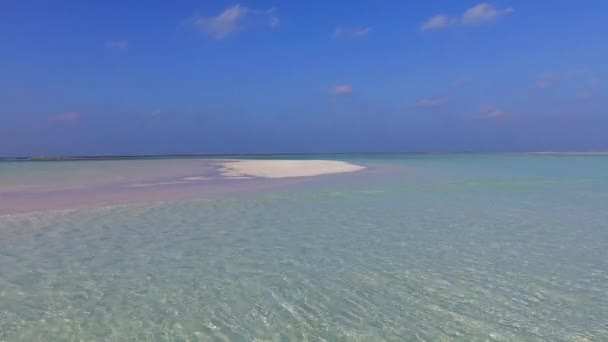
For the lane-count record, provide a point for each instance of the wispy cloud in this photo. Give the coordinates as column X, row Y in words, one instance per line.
column 547, row 80
column 477, row 15
column 493, row 114
column 431, row 102
column 484, row 13
column 117, row 44
column 66, row 117
column 437, row 22
column 341, row 89
column 352, row 32
column 233, row 20
column 579, row 77
column 273, row 18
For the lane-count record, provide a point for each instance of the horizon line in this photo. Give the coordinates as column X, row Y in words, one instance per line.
column 127, row 156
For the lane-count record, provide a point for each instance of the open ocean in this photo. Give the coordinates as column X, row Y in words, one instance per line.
column 463, row 247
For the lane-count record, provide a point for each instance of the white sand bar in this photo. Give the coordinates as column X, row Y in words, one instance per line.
column 285, row 168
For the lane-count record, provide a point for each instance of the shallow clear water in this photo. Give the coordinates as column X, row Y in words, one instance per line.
column 430, row 248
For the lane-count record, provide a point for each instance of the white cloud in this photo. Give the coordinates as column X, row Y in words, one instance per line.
column 117, row 44
column 483, row 13
column 341, row 89
column 436, row 22
column 479, row 14
column 352, row 32
column 431, row 102
column 224, row 24
column 232, row 20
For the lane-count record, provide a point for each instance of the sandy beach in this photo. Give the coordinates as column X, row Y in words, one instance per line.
column 285, row 168
column 41, row 186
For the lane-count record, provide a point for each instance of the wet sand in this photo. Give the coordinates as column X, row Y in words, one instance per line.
column 42, row 186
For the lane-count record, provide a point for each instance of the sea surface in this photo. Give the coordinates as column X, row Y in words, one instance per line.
column 470, row 247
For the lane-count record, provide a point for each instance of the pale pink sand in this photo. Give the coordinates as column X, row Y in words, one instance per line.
column 68, row 185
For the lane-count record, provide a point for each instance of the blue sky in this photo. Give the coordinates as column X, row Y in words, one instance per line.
column 150, row 77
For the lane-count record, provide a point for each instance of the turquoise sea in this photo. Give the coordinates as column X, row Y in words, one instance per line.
column 464, row 247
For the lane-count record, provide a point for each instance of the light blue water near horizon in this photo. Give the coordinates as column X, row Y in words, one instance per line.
column 507, row 247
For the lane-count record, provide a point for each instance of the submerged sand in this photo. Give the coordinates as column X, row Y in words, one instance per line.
column 32, row 186
column 285, row 168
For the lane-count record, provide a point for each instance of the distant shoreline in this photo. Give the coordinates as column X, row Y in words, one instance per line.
column 272, row 155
